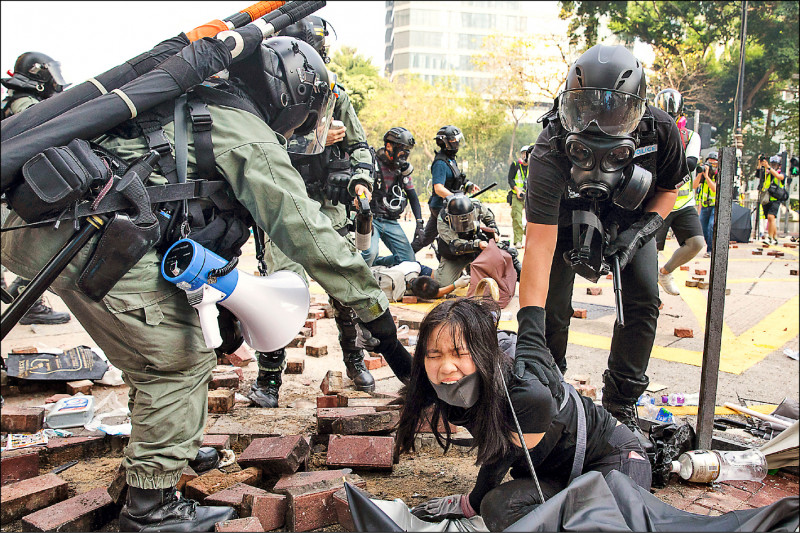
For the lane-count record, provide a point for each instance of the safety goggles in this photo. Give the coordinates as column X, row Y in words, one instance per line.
column 614, row 113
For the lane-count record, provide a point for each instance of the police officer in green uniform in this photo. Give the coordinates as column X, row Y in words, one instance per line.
column 332, row 178
column 517, row 176
column 145, row 324
column 36, row 77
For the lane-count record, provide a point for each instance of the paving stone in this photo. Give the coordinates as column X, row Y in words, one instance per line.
column 373, row 363
column 357, row 451
column 218, row 442
column 224, row 380
column 724, row 498
column 84, row 386
column 17, row 465
column 29, row 495
column 698, row 509
column 55, row 397
column 342, row 506
column 409, row 299
column 700, row 272
column 118, row 489
column 757, row 252
column 317, row 478
column 234, row 497
column 221, row 400
column 21, row 419
column 769, row 494
column 332, row 383
column 215, row 481
column 698, row 278
column 684, row 333
column 685, row 268
column 311, row 506
column 749, row 486
column 590, row 391
column 327, row 402
column 85, row 512
column 297, row 342
column 60, row 450
column 691, row 283
column 579, row 313
column 316, row 350
column 382, row 422
column 187, row 474
column 702, row 285
column 25, row 349
column 328, row 308
column 268, row 508
column 326, row 417
column 316, row 313
column 594, row 291
column 380, row 404
column 792, row 272
column 248, row 524
column 345, row 396
column 276, row 455
column 241, row 357
column 295, row 366
column 260, row 423
column 311, row 323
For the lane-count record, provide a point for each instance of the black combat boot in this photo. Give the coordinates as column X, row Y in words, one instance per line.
column 152, row 510
column 39, row 313
column 264, row 392
column 623, row 408
column 363, row 380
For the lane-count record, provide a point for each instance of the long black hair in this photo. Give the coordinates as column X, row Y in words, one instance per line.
column 472, row 320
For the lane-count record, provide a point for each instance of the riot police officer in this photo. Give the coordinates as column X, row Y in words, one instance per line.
column 604, row 160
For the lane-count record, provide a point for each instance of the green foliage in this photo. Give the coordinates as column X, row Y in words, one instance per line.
column 356, row 74
column 495, row 196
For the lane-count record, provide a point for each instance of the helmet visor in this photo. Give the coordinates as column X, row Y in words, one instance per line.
column 615, row 113
column 314, row 141
column 462, row 223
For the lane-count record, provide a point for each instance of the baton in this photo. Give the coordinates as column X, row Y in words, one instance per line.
column 615, row 278
column 237, row 20
column 483, row 190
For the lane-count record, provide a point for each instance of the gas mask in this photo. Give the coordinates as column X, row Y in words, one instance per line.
column 588, row 240
column 602, row 169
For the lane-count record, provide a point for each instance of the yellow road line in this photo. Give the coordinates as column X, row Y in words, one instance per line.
column 682, row 410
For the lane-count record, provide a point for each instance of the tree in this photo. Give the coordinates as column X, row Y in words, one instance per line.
column 356, row 74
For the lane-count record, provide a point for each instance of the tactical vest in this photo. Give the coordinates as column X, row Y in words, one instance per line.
column 387, row 203
column 315, row 169
column 11, row 98
column 457, row 181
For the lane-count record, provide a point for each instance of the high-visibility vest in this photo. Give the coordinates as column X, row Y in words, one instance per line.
column 522, row 175
column 708, row 198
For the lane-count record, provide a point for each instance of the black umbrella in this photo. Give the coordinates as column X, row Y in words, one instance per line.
column 741, row 224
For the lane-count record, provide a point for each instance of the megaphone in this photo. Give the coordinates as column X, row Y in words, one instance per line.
column 271, row 309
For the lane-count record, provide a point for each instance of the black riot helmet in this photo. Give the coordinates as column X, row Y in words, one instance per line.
column 460, row 213
column 313, row 30
column 671, row 102
column 288, row 80
column 400, row 142
column 606, row 86
column 37, row 72
column 448, row 138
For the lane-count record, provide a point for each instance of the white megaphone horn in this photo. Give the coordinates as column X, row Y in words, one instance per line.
column 271, row 310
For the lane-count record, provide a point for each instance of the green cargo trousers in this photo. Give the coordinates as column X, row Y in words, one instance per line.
column 517, row 219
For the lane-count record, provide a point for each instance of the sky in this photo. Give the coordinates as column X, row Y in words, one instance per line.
column 89, row 38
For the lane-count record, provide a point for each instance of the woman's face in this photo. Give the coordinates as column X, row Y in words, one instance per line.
column 447, row 361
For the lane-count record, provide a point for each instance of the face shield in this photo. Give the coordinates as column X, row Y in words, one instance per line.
column 615, row 113
column 454, row 142
column 315, row 127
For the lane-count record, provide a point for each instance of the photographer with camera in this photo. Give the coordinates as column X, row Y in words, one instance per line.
column 770, row 176
column 705, row 183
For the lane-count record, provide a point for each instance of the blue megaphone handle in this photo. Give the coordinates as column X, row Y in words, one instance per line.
column 187, row 265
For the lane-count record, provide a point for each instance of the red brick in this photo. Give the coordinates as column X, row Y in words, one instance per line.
column 17, row 465
column 749, row 486
column 241, row 357
column 698, row 278
column 680, row 494
column 697, row 509
column 61, row 450
column 409, row 299
column 118, row 488
column 358, row 451
column 769, row 494
column 276, row 455
column 21, row 419
column 25, row 349
column 684, row 333
column 239, row 524
column 215, row 481
column 316, row 350
column 382, row 422
column 661, row 305
column 55, row 397
column 579, row 313
column 374, row 362
column 332, row 383
column 187, row 474
column 269, row 509
column 83, row 385
column 342, row 506
column 325, row 417
column 609, row 276
column 702, row 285
column 328, row 401
column 316, row 313
column 312, row 507
column 218, row 442
column 297, row 342
column 311, row 323
column 224, row 380
column 29, row 495
column 234, row 497
column 328, row 309
column 594, row 291
column 89, row 511
column 221, row 400
column 590, row 391
column 685, row 268
column 700, row 272
column 426, row 427
column 295, row 366
column 725, row 498
column 757, row 252
column 345, row 396
column 691, row 283
column 792, row 272
column 316, row 477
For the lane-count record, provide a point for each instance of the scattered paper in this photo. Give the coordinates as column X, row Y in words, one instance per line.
column 791, row 354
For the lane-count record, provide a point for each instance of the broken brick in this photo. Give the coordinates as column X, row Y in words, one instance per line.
column 305, row 332
column 579, row 313
column 326, row 417
column 361, row 451
column 83, row 386
column 295, row 366
column 29, row 495
column 17, row 465
column 342, row 506
column 89, row 511
column 317, row 478
column 276, row 455
column 685, row 267
column 426, row 427
column 25, row 349
column 702, row 285
column 187, row 474
column 691, row 283
column 409, row 299
column 311, row 506
column 21, row 419
column 594, row 291
column 61, row 450
column 582, row 379
column 311, row 323
column 235, row 497
column 55, row 397
column 609, row 276
column 215, row 481
column 241, row 357
column 793, row 272
column 377, row 362
column 316, row 350
column 218, row 442
column 297, row 342
column 698, row 278
column 584, row 389
column 268, row 508
column 327, row 402
column 700, row 272
column 221, row 400
column 684, row 333
column 248, row 524
column 382, row 422
column 316, row 313
column 332, row 383
column 661, row 305
column 757, row 252
column 345, row 396
column 328, row 308
column 224, row 380
column 118, row 489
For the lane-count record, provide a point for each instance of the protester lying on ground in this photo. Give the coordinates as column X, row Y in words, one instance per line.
column 415, row 279
column 458, row 374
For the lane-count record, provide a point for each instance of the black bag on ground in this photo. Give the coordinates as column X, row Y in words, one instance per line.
column 56, row 179
column 71, row 365
column 778, row 192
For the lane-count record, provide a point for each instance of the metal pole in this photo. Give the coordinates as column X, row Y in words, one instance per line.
column 715, row 309
column 738, row 137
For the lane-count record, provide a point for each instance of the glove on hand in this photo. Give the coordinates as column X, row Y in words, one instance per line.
column 532, row 354
column 380, row 335
column 336, row 189
column 629, row 241
column 461, row 282
column 438, row 509
column 419, row 232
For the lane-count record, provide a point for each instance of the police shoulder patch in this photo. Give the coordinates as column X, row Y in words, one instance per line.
column 643, row 150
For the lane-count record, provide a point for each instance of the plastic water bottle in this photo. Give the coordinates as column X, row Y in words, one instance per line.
column 656, row 412
column 673, row 399
column 705, row 466
column 645, row 399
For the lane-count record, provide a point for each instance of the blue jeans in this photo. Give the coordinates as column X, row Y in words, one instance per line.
column 707, row 222
column 393, row 236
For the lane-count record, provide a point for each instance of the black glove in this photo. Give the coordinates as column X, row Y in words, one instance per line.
column 380, row 335
column 438, row 509
column 532, row 354
column 629, row 241
column 419, row 233
column 336, row 188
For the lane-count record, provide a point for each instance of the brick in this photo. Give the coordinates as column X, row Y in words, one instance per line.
column 224, row 380
column 234, row 497
column 297, row 342
column 411, row 323
column 268, row 508
column 594, row 291
column 332, row 383
column 61, row 450
column 327, row 402
column 757, row 252
column 316, row 350
column 345, row 396
column 311, row 506
column 684, row 333
column 691, row 283
column 328, row 308
column 685, row 268
column 311, row 323
column 698, row 278
column 295, row 366
column 316, row 313
column 373, row 363
column 17, row 465
column 409, row 299
column 187, row 474
column 89, row 511
column 326, row 417
column 357, row 451
column 29, row 495
column 221, row 400
column 83, row 385
column 25, row 349
column 342, row 507
column 241, row 357
column 697, row 509
column 318, row 478
column 55, row 397
column 590, row 391
column 276, row 455
column 792, row 272
column 583, row 379
column 723, row 498
column 579, row 313
column 702, row 285
column 382, row 422
column 790, row 244
column 768, row 495
column 218, row 442
column 700, row 272
column 661, row 305
column 305, row 332
column 248, row 524
column 215, row 481
column 118, row 488
column 21, row 419
column 609, row 276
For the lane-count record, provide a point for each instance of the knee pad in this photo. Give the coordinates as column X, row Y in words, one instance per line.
column 272, row 361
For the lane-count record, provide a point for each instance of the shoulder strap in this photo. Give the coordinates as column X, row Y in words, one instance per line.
column 580, row 444
column 201, row 133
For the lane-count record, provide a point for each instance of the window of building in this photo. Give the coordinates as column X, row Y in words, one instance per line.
column 401, row 39
column 401, row 62
column 402, row 18
column 428, row 39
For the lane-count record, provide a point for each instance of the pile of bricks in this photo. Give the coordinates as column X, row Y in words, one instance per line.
column 316, row 312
